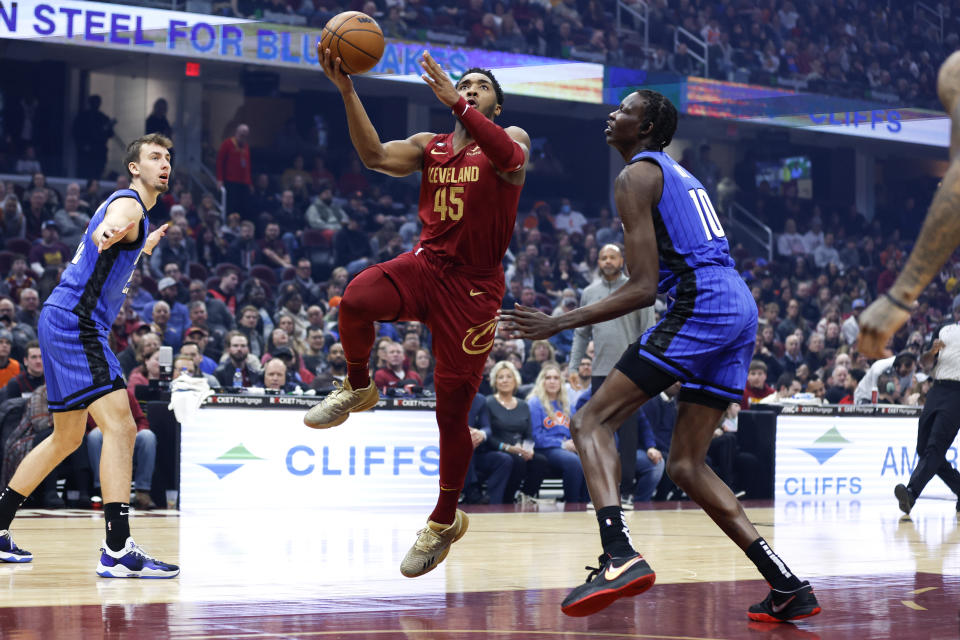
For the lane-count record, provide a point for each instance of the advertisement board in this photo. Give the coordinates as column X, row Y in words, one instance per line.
column 234, row 457
column 848, row 457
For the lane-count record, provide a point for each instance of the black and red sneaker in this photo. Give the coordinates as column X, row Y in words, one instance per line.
column 615, row 578
column 784, row 606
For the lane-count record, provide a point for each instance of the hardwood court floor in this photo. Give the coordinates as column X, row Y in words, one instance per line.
column 315, row 573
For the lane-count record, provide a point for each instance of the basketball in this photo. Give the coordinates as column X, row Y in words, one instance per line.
column 355, row 38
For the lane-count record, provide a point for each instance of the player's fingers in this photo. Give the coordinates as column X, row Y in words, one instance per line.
column 163, row 228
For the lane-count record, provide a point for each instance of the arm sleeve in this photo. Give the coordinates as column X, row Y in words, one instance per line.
column 504, row 152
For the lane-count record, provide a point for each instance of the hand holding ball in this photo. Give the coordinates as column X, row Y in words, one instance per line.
column 355, row 38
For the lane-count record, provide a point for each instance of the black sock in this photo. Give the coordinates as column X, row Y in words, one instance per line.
column 773, row 569
column 614, row 533
column 117, row 515
column 10, row 501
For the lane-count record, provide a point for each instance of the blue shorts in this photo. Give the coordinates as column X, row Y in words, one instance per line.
column 706, row 338
column 78, row 364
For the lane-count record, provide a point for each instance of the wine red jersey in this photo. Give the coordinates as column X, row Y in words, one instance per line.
column 467, row 210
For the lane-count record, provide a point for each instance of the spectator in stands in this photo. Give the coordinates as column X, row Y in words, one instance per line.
column 91, row 131
column 233, row 170
column 23, row 334
column 245, row 250
column 38, row 182
column 393, row 374
column 275, row 374
column 49, row 252
column 550, row 417
column 314, row 356
column 422, row 365
column 756, row 388
column 71, row 220
column 225, row 291
column 29, row 313
column 323, row 213
column 237, row 367
column 541, row 353
column 336, row 369
column 144, row 373
column 273, row 251
column 19, row 278
column 199, row 337
column 504, row 460
column 850, row 329
column 157, row 120
column 9, row 367
column 179, row 315
column 899, row 370
column 160, row 325
column 840, row 386
column 352, row 246
column 787, row 387
column 144, row 455
column 248, row 324
column 14, row 222
column 174, row 249
column 36, row 210
column 30, row 379
column 142, row 344
column 790, row 243
column 578, row 380
column 28, row 163
column 826, row 253
column 813, row 239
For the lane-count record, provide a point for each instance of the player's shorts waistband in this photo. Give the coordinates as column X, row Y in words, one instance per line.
column 444, row 264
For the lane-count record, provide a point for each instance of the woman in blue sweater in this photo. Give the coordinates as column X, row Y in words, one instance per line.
column 550, row 418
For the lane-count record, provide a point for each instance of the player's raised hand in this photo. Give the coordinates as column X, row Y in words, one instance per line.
column 438, row 80
column 878, row 323
column 528, row 323
column 154, row 238
column 112, row 235
column 331, row 67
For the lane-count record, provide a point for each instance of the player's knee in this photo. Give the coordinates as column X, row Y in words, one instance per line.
column 681, row 471
column 68, row 440
column 577, row 425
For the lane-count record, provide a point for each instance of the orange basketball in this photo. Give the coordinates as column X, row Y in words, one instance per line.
column 355, row 38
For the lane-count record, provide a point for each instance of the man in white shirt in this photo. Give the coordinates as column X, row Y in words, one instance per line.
column 814, row 237
column 939, row 420
column 568, row 219
column 790, row 243
column 826, row 253
column 903, row 366
column 850, row 328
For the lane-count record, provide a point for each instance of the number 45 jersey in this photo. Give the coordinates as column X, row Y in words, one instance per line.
column 467, row 209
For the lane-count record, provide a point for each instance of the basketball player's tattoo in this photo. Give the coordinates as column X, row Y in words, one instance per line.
column 939, row 236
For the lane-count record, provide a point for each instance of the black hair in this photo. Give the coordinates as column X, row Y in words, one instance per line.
column 489, row 74
column 662, row 114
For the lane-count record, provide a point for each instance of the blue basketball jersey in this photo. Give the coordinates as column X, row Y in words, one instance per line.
column 94, row 285
column 689, row 235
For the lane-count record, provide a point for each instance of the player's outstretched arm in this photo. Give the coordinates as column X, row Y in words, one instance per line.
column 119, row 224
column 636, row 190
column 508, row 149
column 154, row 238
column 939, row 236
column 397, row 158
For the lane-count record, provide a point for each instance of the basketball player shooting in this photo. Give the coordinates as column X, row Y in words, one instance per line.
column 939, row 236
column 705, row 340
column 453, row 279
column 83, row 375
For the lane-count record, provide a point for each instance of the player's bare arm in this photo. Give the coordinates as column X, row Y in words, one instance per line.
column 120, row 224
column 636, row 190
column 396, row 158
column 511, row 169
column 153, row 239
column 939, row 236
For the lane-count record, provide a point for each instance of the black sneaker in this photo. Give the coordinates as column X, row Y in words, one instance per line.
column 905, row 497
column 615, row 578
column 783, row 606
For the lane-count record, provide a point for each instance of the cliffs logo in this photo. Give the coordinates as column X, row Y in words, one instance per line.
column 826, row 446
column 230, row 461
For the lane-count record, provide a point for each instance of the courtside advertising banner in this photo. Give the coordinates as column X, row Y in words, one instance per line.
column 849, row 458
column 232, row 458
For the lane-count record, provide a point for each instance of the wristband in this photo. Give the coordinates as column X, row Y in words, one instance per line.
column 897, row 303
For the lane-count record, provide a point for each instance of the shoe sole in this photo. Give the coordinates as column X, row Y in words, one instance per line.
column 763, row 617
column 369, row 404
column 105, row 572
column 12, row 557
column 602, row 599
column 900, row 491
column 443, row 556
